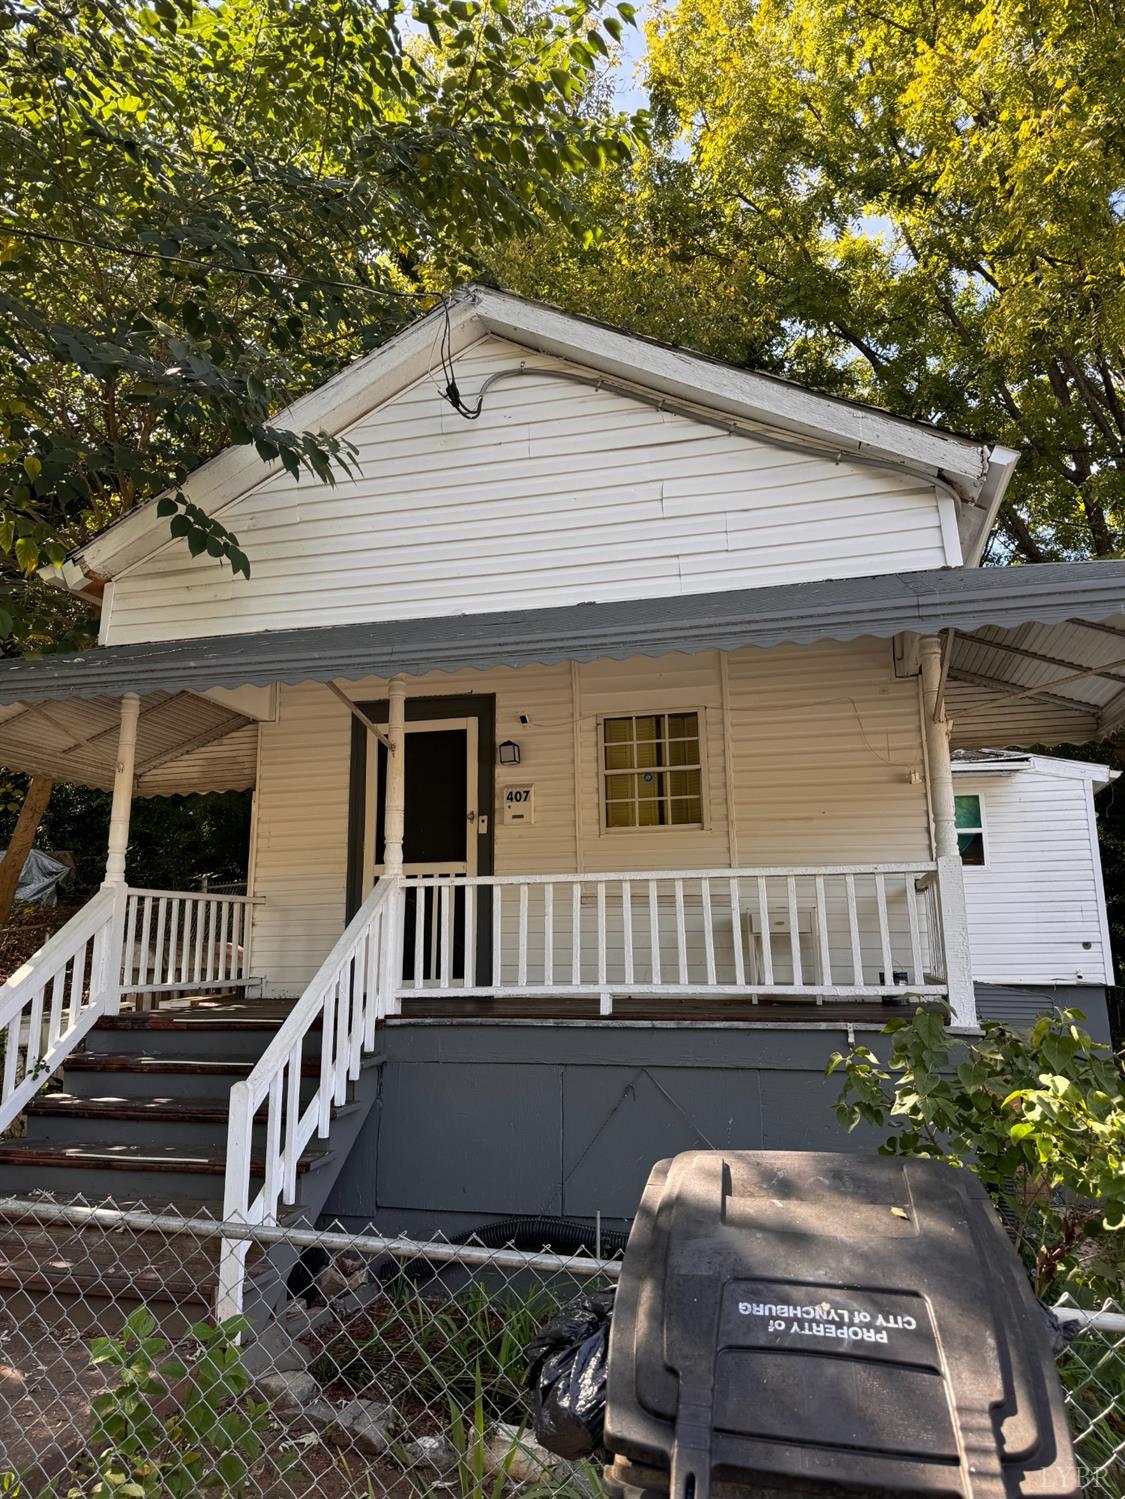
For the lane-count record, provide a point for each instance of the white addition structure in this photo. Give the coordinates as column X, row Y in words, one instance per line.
column 601, row 759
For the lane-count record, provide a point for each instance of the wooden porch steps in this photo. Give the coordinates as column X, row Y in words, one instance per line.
column 53, row 1155
column 138, row 1119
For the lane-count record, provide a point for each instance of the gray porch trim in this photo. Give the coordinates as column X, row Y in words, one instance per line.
column 925, row 602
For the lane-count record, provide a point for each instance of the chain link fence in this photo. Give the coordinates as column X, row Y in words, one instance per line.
column 369, row 1366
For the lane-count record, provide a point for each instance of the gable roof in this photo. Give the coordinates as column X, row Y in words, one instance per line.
column 977, row 473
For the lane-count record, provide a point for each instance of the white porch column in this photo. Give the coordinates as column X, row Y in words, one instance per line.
column 394, row 810
column 122, row 790
column 394, row 817
column 950, row 873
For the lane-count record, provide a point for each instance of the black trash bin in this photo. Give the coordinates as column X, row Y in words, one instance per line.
column 833, row 1324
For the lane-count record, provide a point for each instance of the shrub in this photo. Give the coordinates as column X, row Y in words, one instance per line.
column 1037, row 1114
column 170, row 1428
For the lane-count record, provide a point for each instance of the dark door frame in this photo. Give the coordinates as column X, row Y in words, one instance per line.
column 482, row 707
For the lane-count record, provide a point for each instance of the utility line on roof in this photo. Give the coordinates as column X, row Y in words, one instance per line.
column 760, row 432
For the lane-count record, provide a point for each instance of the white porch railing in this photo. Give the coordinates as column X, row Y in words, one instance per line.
column 340, row 1008
column 821, row 933
column 176, row 940
column 53, row 999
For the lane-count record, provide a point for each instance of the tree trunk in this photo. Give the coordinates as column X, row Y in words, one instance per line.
column 27, row 825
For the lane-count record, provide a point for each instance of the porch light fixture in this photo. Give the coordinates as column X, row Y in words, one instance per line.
column 509, row 752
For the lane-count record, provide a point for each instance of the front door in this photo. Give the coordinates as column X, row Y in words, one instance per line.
column 440, row 835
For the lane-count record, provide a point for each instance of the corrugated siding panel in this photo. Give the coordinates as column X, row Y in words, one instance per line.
column 1035, row 903
column 227, row 764
column 558, row 494
column 994, row 723
column 824, row 742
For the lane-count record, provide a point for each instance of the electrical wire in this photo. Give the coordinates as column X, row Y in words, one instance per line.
column 756, row 431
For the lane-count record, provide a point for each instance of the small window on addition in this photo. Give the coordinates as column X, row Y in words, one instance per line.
column 970, row 829
column 652, row 774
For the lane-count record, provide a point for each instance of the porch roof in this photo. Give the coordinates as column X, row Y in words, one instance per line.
column 184, row 743
column 1038, row 654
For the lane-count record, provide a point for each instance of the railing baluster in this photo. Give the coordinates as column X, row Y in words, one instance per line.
column 191, row 926
column 521, row 951
column 54, row 1024
column 146, row 931
column 446, row 933
column 77, row 984
column 212, row 938
column 736, row 933
column 627, row 928
column 34, row 1031
column 274, row 1165
column 497, row 935
column 576, row 932
column 292, row 1070
column 11, row 1054
column 418, row 890
column 915, row 934
column 681, row 933
column 708, row 931
column 469, row 977
column 654, row 930
column 767, row 940
column 794, row 933
column 371, row 970
column 224, row 937
column 131, row 911
column 601, row 919
column 197, row 966
column 548, row 934
column 235, row 965
column 325, row 1087
column 343, row 1019
column 884, row 932
column 355, row 1039
column 158, row 953
column 853, row 932
column 822, row 932
column 175, row 913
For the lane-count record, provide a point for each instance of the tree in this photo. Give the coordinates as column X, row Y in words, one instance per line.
column 206, row 209
column 209, row 208
column 918, row 202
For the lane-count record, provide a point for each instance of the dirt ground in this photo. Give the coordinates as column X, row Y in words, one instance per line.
column 47, row 1381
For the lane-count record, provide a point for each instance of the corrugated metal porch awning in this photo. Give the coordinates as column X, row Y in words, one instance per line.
column 965, row 599
column 184, row 743
column 1038, row 655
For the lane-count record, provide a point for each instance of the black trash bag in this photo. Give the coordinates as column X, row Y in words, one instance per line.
column 567, row 1376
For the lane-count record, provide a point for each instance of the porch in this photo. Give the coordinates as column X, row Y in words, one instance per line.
column 556, row 839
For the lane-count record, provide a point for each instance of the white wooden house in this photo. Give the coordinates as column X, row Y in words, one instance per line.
column 1038, row 932
column 600, row 750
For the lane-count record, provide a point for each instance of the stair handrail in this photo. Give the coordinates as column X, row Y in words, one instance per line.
column 350, row 992
column 46, row 1011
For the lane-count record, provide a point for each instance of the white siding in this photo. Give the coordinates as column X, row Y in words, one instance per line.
column 559, row 494
column 1037, row 901
column 824, row 740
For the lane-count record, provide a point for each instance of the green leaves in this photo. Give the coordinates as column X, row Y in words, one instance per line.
column 170, row 1427
column 1039, row 1115
column 222, row 215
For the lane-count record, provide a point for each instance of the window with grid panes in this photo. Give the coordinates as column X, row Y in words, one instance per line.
column 652, row 772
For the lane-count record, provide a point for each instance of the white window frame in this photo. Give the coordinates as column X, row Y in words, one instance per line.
column 984, row 835
column 704, row 766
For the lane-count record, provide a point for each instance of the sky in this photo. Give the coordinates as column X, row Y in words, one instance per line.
column 628, row 92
